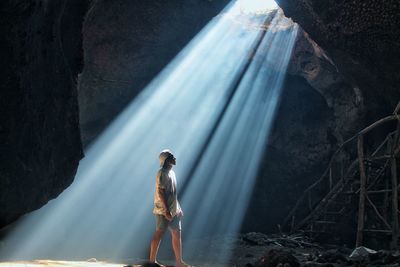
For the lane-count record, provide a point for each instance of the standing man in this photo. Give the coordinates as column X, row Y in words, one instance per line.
column 167, row 209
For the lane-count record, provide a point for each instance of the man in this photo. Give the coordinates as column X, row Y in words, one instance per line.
column 167, row 209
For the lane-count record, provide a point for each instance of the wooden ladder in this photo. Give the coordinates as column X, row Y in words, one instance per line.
column 366, row 178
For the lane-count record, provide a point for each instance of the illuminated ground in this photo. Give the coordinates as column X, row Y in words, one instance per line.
column 51, row 263
column 59, row 263
column 246, row 250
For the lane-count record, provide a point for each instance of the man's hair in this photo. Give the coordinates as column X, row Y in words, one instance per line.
column 164, row 155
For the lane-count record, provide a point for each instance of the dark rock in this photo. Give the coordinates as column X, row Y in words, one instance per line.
column 331, row 256
column 255, row 239
column 39, row 124
column 362, row 37
column 317, row 264
column 119, row 65
column 312, row 63
column 383, row 257
column 277, row 257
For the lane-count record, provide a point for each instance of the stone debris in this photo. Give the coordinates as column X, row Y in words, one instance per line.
column 289, row 241
column 296, row 250
column 277, row 258
column 332, row 256
column 361, row 253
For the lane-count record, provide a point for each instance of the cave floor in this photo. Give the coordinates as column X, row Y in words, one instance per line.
column 252, row 249
column 53, row 263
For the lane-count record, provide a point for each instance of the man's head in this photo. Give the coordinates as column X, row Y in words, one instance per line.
column 166, row 157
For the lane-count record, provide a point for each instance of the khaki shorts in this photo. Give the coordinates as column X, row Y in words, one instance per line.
column 162, row 223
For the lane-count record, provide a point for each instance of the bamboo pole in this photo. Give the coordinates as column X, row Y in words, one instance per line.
column 386, row 196
column 292, row 224
column 377, row 212
column 395, row 216
column 395, row 226
column 363, row 179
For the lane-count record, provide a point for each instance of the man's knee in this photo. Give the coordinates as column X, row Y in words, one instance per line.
column 159, row 233
column 175, row 231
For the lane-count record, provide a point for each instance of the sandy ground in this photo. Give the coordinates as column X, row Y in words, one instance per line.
column 52, row 263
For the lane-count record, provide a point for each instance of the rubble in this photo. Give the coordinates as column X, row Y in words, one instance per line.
column 277, row 258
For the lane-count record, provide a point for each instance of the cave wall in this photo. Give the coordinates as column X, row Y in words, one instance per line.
column 126, row 44
column 362, row 37
column 39, row 132
column 345, row 100
column 298, row 149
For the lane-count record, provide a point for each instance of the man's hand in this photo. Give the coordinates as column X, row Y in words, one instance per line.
column 168, row 216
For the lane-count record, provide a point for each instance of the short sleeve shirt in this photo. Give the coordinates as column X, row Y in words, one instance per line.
column 166, row 180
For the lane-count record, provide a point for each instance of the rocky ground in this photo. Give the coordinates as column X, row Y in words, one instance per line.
column 251, row 250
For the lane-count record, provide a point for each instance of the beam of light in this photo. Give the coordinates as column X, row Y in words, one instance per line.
column 213, row 106
column 222, row 184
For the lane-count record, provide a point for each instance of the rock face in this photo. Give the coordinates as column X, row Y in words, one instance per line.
column 292, row 160
column 126, row 44
column 344, row 99
column 363, row 40
column 39, row 131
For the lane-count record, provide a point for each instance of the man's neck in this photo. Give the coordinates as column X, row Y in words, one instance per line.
column 168, row 166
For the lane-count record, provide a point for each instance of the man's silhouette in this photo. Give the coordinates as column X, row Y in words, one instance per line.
column 167, row 210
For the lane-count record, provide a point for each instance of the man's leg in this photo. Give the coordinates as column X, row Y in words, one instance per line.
column 161, row 226
column 177, row 246
column 155, row 244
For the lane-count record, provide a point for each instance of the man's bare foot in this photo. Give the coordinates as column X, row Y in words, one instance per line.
column 159, row 264
column 182, row 264
column 153, row 264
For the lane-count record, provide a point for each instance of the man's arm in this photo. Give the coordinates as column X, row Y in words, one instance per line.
column 161, row 185
column 161, row 195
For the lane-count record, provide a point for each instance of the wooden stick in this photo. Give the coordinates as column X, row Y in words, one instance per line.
column 379, row 191
column 395, row 220
column 378, row 231
column 378, row 122
column 382, row 144
column 341, row 169
column 378, row 158
column 363, row 179
column 292, row 224
column 377, row 212
column 396, row 110
column 322, row 204
column 379, row 174
column 386, row 196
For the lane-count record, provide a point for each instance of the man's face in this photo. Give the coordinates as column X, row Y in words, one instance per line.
column 171, row 159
